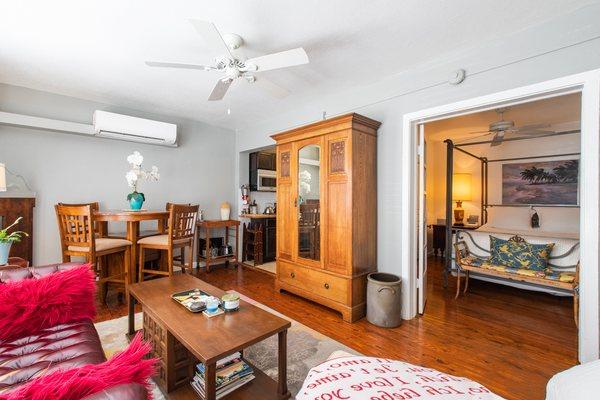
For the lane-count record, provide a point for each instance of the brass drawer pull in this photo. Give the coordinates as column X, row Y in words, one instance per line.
column 326, row 286
column 293, row 275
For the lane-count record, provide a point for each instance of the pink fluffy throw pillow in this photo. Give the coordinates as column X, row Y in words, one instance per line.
column 32, row 304
column 129, row 366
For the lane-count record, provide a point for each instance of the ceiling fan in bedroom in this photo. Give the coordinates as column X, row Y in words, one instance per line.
column 233, row 67
column 501, row 128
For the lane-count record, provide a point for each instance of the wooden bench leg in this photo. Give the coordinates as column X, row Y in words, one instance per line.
column 466, row 281
column 457, row 284
column 576, row 308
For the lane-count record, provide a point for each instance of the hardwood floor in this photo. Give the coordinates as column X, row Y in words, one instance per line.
column 510, row 340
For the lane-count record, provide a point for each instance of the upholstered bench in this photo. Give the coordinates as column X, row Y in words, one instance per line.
column 466, row 263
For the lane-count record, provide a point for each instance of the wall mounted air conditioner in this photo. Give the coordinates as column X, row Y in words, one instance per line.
column 133, row 129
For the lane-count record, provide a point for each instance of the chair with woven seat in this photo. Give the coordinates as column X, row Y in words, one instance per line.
column 181, row 229
column 79, row 238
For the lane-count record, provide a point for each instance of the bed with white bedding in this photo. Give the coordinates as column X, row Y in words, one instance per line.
column 564, row 256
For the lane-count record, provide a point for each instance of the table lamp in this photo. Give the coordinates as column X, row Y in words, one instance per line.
column 2, row 178
column 461, row 191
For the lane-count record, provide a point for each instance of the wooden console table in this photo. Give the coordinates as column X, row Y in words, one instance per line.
column 229, row 225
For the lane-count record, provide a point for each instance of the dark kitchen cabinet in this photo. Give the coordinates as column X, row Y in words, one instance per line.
column 270, row 241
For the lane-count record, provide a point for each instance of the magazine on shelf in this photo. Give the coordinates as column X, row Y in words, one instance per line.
column 228, row 374
column 199, row 389
column 237, row 356
column 232, row 373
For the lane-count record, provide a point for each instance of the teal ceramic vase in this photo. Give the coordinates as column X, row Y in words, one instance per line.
column 4, row 251
column 136, row 200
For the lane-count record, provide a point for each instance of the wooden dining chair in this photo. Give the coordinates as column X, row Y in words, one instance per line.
column 180, row 234
column 79, row 238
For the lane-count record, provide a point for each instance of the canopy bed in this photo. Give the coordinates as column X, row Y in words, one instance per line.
column 474, row 250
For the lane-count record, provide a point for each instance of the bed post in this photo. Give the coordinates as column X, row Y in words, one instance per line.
column 449, row 172
column 484, row 190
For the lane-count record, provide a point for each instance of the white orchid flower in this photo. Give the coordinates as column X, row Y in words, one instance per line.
column 154, row 175
column 132, row 178
column 135, row 159
column 137, row 173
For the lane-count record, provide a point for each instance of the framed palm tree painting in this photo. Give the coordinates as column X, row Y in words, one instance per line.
column 543, row 182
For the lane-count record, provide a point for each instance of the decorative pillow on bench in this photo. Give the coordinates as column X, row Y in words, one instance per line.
column 519, row 254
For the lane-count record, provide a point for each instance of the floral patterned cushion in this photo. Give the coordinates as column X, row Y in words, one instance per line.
column 568, row 277
column 519, row 255
column 472, row 261
column 509, row 270
column 549, row 273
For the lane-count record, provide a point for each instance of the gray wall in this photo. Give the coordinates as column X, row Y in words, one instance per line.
column 70, row 168
column 557, row 48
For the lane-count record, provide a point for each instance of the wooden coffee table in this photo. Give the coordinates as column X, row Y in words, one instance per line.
column 181, row 339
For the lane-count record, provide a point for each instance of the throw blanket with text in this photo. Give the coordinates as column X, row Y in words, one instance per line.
column 369, row 378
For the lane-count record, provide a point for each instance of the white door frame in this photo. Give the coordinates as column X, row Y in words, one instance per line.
column 588, row 84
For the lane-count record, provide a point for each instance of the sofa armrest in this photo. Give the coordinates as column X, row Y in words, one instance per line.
column 129, row 391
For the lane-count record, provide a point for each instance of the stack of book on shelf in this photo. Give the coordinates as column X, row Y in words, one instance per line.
column 232, row 373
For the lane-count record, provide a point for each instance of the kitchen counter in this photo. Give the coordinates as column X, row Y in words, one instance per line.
column 255, row 216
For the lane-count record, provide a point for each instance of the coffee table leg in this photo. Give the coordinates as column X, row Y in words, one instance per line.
column 131, row 315
column 210, row 377
column 282, row 389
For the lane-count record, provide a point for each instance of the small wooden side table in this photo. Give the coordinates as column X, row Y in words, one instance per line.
column 231, row 226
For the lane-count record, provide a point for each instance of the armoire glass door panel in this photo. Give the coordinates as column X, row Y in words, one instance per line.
column 309, row 202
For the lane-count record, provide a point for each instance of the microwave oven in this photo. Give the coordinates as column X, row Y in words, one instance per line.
column 266, row 180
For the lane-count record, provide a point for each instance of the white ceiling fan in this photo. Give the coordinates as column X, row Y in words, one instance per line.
column 503, row 127
column 234, row 67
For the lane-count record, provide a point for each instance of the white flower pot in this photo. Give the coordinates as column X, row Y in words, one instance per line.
column 4, row 252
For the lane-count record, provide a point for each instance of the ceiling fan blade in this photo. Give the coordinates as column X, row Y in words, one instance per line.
column 288, row 58
column 498, row 139
column 219, row 90
column 271, row 88
column 178, row 65
column 211, row 36
column 534, row 132
column 479, row 132
column 532, row 127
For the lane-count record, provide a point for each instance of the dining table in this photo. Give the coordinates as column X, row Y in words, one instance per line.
column 132, row 219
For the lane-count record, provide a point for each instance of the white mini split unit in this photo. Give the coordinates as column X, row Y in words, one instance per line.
column 133, row 129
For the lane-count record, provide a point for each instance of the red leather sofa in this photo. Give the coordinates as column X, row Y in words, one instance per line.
column 59, row 347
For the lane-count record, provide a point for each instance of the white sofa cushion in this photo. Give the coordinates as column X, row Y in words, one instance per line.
column 581, row 382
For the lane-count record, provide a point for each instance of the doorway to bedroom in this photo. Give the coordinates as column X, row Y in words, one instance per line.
column 503, row 184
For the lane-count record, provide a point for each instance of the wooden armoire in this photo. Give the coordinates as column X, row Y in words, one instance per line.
column 327, row 211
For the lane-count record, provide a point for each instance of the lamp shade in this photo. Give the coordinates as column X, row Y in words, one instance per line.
column 2, row 178
column 461, row 187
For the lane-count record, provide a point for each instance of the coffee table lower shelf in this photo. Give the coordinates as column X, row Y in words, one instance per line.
column 261, row 387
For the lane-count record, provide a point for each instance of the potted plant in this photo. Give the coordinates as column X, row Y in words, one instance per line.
column 7, row 239
column 135, row 175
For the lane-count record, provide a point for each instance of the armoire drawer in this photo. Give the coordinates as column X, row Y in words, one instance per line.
column 323, row 284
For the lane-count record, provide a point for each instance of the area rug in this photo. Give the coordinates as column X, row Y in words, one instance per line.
column 306, row 348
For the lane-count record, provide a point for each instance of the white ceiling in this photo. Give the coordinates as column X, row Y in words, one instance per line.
column 95, row 49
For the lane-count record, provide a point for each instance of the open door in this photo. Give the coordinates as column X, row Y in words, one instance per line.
column 422, row 220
